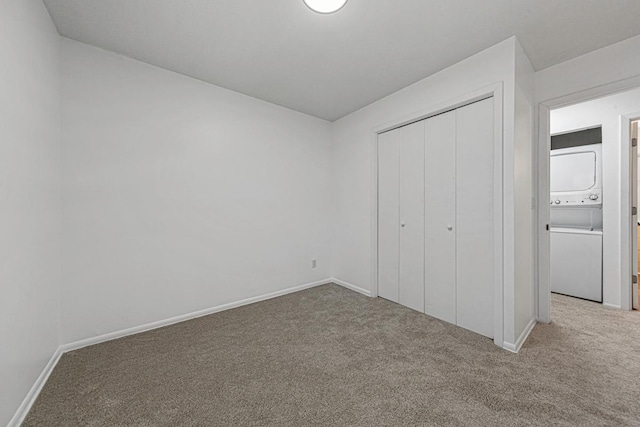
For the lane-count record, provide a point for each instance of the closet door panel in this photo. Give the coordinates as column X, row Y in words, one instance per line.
column 474, row 202
column 411, row 287
column 388, row 213
column 440, row 217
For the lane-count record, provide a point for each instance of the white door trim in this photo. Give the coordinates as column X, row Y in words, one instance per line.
column 495, row 90
column 626, row 186
column 543, row 244
column 542, row 181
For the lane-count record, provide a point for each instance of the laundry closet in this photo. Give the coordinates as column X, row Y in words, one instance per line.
column 436, row 216
column 576, row 214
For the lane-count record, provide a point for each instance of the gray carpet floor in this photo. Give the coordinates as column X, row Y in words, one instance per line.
column 331, row 357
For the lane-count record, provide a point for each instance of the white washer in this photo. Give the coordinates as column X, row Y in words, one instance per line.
column 576, row 263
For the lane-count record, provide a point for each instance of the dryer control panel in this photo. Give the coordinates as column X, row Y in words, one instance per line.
column 591, row 199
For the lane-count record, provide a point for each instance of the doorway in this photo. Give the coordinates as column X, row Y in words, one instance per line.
column 614, row 112
column 576, row 204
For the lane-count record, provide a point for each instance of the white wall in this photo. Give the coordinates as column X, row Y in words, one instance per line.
column 524, row 295
column 610, row 64
column 354, row 148
column 607, row 112
column 29, row 198
column 180, row 195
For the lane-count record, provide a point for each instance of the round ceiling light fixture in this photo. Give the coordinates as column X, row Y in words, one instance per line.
column 325, row 6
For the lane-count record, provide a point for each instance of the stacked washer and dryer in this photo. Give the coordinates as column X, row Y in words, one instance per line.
column 576, row 215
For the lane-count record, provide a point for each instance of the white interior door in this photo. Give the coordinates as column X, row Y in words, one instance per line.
column 388, row 213
column 634, row 218
column 474, row 217
column 411, row 282
column 440, row 217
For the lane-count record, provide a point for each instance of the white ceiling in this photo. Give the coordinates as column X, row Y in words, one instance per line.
column 331, row 65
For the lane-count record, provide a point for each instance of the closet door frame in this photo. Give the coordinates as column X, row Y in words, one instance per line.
column 494, row 91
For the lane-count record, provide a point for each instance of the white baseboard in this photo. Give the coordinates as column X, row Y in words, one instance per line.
column 611, row 306
column 33, row 393
column 514, row 348
column 352, row 287
column 177, row 319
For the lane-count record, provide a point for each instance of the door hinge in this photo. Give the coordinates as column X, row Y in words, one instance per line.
column 634, row 279
column 634, row 142
column 547, row 227
column 634, row 211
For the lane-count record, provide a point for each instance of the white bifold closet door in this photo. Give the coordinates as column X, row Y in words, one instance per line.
column 411, row 267
column 436, row 213
column 459, row 217
column 440, row 217
column 388, row 214
column 475, row 217
column 401, row 216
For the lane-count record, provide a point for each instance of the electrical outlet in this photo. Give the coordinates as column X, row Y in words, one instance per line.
column 314, row 263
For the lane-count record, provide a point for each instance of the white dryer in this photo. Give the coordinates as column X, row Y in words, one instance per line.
column 576, row 177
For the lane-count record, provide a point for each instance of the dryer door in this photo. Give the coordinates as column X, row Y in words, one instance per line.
column 573, row 172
